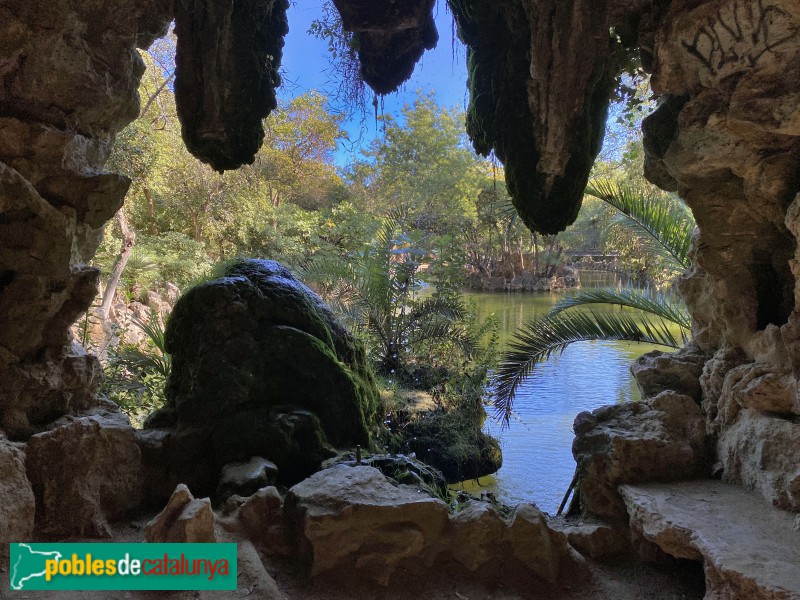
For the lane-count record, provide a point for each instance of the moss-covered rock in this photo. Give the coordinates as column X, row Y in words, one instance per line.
column 453, row 441
column 261, row 365
column 540, row 78
column 228, row 57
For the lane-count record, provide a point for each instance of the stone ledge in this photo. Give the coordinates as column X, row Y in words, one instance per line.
column 749, row 549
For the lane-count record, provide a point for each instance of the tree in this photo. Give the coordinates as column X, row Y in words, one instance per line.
column 376, row 293
column 423, row 163
column 653, row 316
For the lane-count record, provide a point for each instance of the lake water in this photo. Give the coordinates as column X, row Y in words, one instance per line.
column 537, row 446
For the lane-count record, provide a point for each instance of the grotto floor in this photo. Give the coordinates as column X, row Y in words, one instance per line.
column 264, row 577
column 746, row 545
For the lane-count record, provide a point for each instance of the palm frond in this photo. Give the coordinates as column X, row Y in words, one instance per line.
column 665, row 305
column 440, row 329
column 670, row 224
column 159, row 360
column 540, row 338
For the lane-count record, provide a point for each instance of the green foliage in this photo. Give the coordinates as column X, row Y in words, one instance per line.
column 652, row 317
column 376, row 292
column 654, row 215
column 422, row 163
column 135, row 377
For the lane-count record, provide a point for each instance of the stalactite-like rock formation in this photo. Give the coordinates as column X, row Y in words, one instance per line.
column 223, row 90
column 541, row 76
column 391, row 38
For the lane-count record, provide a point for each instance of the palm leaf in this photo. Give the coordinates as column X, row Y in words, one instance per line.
column 159, row 360
column 540, row 338
column 665, row 305
column 668, row 223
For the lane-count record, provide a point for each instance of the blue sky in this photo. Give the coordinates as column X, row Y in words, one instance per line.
column 305, row 62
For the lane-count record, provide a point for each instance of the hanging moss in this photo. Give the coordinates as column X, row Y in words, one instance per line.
column 500, row 116
column 227, row 60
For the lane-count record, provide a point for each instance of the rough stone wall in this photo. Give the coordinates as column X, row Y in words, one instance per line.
column 69, row 73
column 727, row 136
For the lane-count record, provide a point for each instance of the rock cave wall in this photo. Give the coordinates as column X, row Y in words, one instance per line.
column 732, row 150
column 726, row 137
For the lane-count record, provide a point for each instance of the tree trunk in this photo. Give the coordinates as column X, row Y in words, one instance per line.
column 151, row 211
column 128, row 241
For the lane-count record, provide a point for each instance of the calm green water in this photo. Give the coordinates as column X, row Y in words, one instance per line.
column 537, row 447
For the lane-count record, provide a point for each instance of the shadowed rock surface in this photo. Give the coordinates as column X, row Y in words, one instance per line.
column 749, row 550
column 227, row 61
column 353, row 520
column 727, row 137
column 392, row 36
column 260, row 367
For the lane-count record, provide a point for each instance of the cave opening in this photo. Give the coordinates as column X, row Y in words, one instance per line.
column 774, row 285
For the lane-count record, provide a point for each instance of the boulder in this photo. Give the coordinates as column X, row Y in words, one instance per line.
column 260, row 367
column 454, row 442
column 261, row 520
column 184, row 519
column 678, row 372
column 481, row 540
column 16, row 496
column 85, row 472
column 246, row 478
column 594, row 538
column 658, row 439
column 261, row 511
column 352, row 519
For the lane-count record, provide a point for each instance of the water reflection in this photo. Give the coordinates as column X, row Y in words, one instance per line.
column 537, row 447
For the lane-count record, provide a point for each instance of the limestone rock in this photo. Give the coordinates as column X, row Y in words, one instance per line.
column 260, row 338
column 227, row 62
column 261, row 518
column 195, row 454
column 481, row 540
column 16, row 497
column 184, row 519
column 260, row 367
column 528, row 67
column 713, row 379
column 595, row 539
column 454, row 443
column 540, row 548
column 763, row 453
column 352, row 519
column 246, row 478
column 678, row 372
column 749, row 550
column 341, row 512
column 476, row 532
column 392, row 38
column 659, row 439
column 261, row 511
column 85, row 472
column 762, row 387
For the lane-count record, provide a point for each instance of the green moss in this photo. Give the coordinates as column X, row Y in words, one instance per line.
column 257, row 339
column 499, row 116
